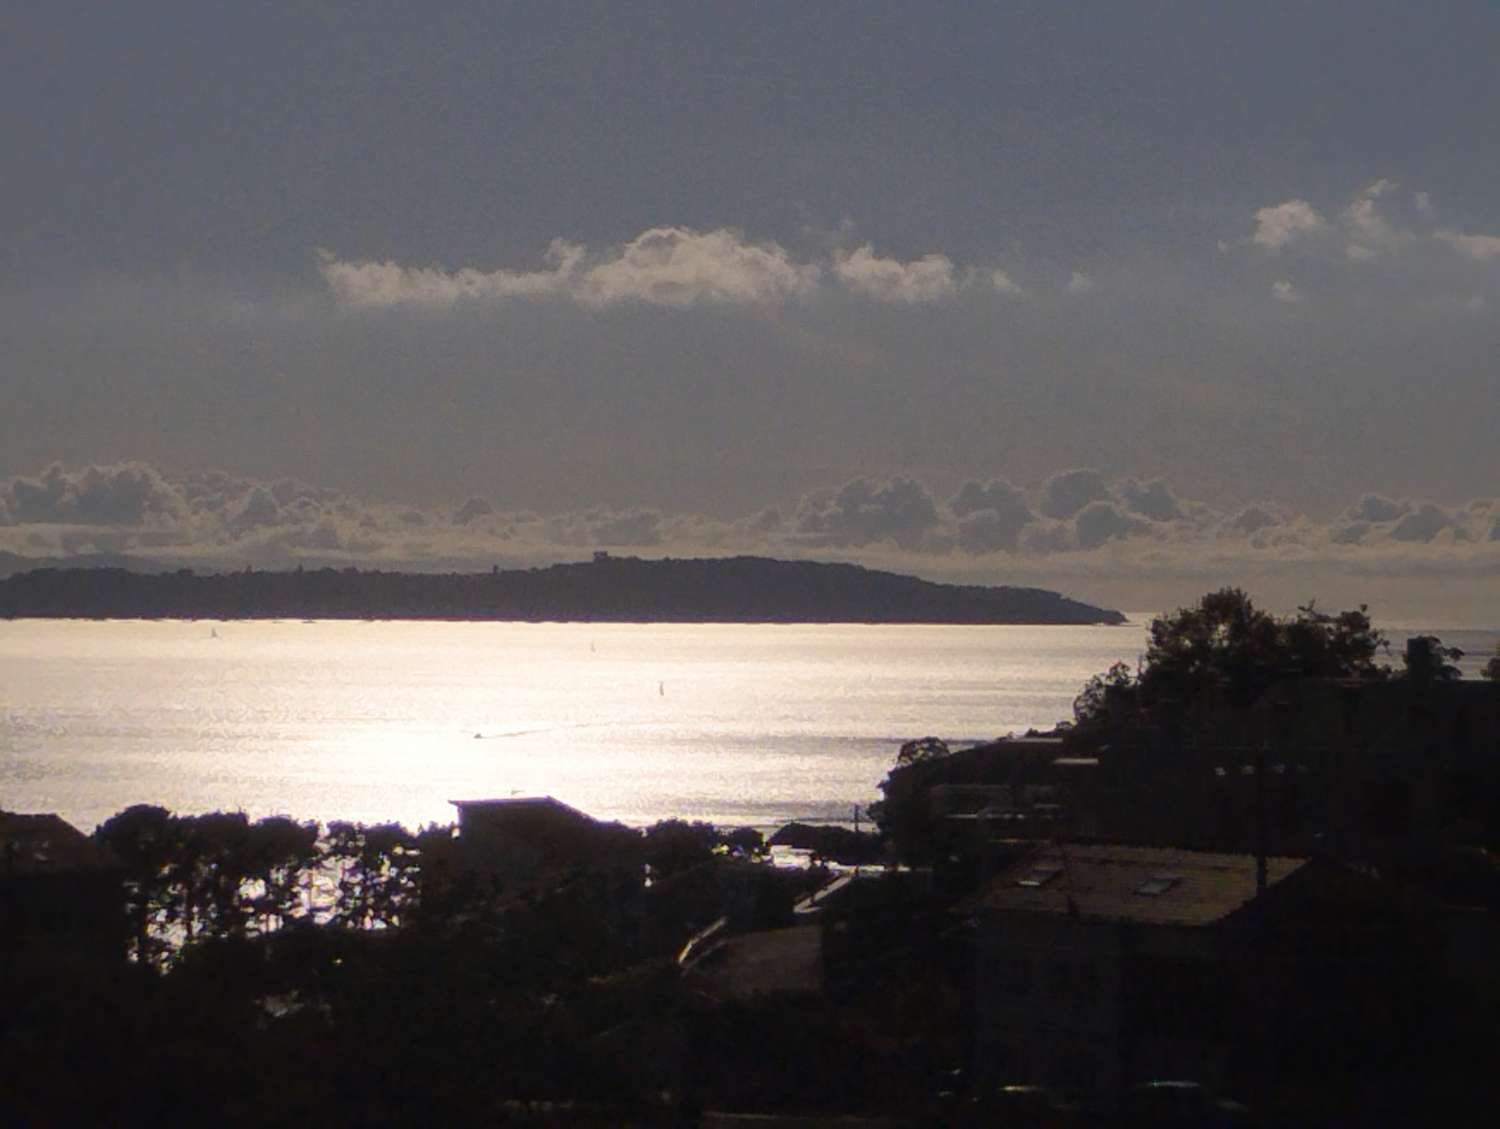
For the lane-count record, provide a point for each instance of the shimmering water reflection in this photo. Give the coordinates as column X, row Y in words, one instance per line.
column 378, row 721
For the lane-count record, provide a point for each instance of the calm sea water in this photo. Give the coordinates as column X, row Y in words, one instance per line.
column 389, row 721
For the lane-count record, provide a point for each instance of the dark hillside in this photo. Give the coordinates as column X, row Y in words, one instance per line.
column 621, row 589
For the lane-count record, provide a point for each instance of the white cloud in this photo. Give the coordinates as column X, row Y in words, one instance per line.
column 1004, row 283
column 1480, row 248
column 1370, row 233
column 1422, row 201
column 665, row 266
column 1279, row 225
column 928, row 279
column 1080, row 283
column 675, row 266
column 1284, row 291
column 373, row 284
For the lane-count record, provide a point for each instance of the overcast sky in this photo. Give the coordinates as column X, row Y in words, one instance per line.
column 1128, row 300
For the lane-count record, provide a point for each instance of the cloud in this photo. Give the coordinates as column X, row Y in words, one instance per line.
column 1153, row 499
column 1004, row 284
column 1140, row 536
column 1352, row 534
column 1068, row 491
column 1099, row 522
column 124, row 494
column 472, row 509
column 1080, row 283
column 863, row 512
column 1284, row 291
column 381, row 284
column 1252, row 519
column 1480, row 248
column 640, row 528
column 919, row 281
column 1370, row 233
column 1279, row 225
column 675, row 266
column 1377, row 508
column 258, row 510
column 1422, row 524
column 990, row 516
column 664, row 266
column 1367, row 232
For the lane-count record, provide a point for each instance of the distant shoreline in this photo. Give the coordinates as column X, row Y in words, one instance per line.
column 733, row 590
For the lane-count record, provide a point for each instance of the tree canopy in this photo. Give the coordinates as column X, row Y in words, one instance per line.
column 1225, row 646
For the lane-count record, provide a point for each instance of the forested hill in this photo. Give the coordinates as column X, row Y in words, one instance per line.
column 623, row 589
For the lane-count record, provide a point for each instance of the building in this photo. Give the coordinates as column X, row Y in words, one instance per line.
column 1101, row 965
column 61, row 894
column 522, row 839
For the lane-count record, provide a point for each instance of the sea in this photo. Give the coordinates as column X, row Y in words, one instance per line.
column 375, row 721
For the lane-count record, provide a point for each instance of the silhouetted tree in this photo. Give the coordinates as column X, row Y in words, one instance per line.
column 903, row 814
column 378, row 873
column 1225, row 645
column 210, row 871
column 1492, row 668
column 675, row 845
column 1092, row 703
column 1427, row 659
column 281, row 854
column 922, row 749
column 143, row 839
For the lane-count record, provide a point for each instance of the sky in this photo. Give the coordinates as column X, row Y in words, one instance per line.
column 1131, row 301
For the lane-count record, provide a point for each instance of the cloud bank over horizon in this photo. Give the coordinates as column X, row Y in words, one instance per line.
column 1076, row 527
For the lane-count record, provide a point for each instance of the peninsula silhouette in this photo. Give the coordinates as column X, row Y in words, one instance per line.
column 606, row 589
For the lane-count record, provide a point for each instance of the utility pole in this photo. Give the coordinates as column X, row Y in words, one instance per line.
column 856, row 841
column 1260, row 819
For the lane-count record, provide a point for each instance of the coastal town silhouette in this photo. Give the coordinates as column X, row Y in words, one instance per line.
column 1247, row 883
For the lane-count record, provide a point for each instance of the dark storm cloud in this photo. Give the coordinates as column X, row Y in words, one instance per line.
column 864, row 512
column 1153, row 499
column 133, row 494
column 1424, row 523
column 990, row 516
column 1375, row 508
column 641, row 529
column 1253, row 519
column 1069, row 491
column 471, row 509
column 1099, row 522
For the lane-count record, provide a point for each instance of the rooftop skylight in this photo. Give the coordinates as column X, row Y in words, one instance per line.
column 1040, row 874
column 1158, row 884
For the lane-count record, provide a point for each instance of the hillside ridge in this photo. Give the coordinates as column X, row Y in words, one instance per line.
column 606, row 589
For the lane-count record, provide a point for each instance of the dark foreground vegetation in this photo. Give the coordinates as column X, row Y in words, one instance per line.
column 1259, row 867
column 625, row 589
